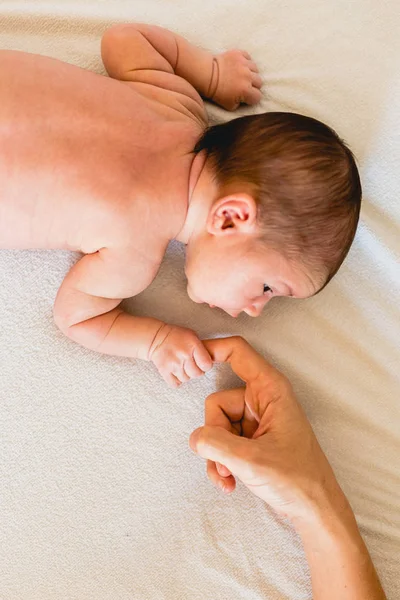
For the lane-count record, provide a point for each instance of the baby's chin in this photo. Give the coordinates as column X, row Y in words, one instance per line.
column 204, row 298
column 194, row 297
column 198, row 300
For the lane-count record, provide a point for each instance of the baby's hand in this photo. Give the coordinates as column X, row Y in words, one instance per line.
column 237, row 80
column 179, row 355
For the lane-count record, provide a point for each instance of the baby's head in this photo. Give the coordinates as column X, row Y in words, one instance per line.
column 284, row 215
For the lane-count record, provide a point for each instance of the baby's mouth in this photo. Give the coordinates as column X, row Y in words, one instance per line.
column 233, row 314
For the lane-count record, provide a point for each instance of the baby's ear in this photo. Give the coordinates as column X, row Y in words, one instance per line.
column 236, row 213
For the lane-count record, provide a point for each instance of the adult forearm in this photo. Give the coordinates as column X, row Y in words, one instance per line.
column 339, row 562
column 280, row 460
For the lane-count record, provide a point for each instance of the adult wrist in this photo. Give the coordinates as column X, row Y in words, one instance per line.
column 326, row 512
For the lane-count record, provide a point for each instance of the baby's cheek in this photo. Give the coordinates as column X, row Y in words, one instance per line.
column 234, row 298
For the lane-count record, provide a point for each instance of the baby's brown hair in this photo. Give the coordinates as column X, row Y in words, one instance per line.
column 303, row 177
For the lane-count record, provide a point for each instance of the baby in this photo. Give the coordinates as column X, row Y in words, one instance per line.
column 116, row 167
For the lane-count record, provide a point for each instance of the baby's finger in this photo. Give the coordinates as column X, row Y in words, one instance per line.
column 252, row 96
column 202, row 358
column 226, row 484
column 256, row 80
column 171, row 380
column 246, row 54
column 192, row 370
column 180, row 374
column 252, row 66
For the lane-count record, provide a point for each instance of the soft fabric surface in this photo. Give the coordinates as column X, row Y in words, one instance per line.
column 101, row 499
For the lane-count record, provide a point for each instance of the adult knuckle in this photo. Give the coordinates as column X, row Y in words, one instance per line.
column 211, row 400
column 202, row 437
column 282, row 382
column 205, row 357
column 249, row 455
column 239, row 341
column 253, row 456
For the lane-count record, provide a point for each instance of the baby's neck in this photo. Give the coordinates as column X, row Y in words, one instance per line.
column 202, row 193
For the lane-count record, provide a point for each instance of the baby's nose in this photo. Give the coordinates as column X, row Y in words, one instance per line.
column 255, row 310
column 252, row 311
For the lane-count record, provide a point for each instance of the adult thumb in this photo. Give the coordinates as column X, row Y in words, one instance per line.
column 219, row 445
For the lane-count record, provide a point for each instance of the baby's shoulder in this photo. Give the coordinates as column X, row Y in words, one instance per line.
column 171, row 96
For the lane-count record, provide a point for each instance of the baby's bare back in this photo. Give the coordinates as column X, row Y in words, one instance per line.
column 82, row 156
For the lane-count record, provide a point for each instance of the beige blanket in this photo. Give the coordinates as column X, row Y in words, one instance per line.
column 101, row 498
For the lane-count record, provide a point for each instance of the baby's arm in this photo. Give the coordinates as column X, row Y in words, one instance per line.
column 135, row 52
column 86, row 310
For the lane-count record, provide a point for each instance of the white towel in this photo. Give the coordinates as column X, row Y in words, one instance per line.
column 101, row 498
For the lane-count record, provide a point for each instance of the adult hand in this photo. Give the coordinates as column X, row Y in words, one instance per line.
column 261, row 435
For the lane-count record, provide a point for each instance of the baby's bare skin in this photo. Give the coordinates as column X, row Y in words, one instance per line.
column 102, row 166
column 82, row 156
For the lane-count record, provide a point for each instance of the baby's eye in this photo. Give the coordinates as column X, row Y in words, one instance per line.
column 266, row 289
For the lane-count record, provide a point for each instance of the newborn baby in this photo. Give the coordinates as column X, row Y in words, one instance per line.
column 116, row 167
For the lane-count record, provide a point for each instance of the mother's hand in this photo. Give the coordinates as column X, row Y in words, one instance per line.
column 261, row 435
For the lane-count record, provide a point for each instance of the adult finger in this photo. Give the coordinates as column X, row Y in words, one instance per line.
column 222, row 409
column 228, row 409
column 225, row 409
column 226, row 484
column 218, row 445
column 222, row 470
column 202, row 358
column 244, row 360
